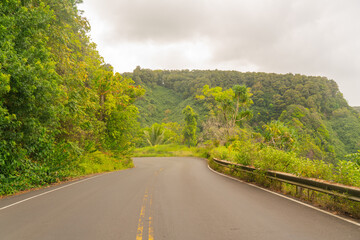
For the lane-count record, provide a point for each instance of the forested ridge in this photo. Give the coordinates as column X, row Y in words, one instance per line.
column 313, row 107
column 63, row 112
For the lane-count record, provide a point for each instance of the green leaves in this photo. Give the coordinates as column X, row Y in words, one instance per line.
column 230, row 108
column 348, row 173
column 189, row 131
column 57, row 97
column 155, row 135
column 280, row 136
column 354, row 157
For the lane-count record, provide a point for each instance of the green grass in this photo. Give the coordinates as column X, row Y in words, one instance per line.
column 90, row 163
column 98, row 162
column 169, row 150
column 269, row 158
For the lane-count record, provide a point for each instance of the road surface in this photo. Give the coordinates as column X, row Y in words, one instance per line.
column 164, row 198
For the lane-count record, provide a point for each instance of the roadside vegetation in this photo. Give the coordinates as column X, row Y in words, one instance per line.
column 87, row 164
column 63, row 111
column 168, row 150
column 285, row 122
column 287, row 132
column 263, row 157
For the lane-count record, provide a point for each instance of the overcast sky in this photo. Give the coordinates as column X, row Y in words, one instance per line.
column 311, row 37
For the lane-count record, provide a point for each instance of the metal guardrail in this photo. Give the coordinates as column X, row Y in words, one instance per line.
column 351, row 193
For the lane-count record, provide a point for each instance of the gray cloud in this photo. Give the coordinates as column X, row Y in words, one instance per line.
column 158, row 20
column 301, row 36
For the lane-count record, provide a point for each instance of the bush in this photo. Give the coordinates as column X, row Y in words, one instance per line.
column 273, row 159
column 244, row 152
column 169, row 150
column 97, row 162
column 348, row 173
column 268, row 158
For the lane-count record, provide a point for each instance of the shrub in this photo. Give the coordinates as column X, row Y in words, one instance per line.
column 348, row 173
column 268, row 158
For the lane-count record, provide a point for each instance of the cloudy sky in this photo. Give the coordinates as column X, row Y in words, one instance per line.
column 310, row 37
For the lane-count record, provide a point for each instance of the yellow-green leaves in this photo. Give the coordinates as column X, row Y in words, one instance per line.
column 230, row 107
column 189, row 131
column 4, row 83
column 58, row 99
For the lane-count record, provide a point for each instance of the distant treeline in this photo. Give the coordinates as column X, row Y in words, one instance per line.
column 325, row 124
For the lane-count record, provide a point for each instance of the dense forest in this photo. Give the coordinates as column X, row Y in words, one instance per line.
column 312, row 108
column 61, row 106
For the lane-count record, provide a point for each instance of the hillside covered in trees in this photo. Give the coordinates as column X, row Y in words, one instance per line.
column 311, row 109
column 63, row 112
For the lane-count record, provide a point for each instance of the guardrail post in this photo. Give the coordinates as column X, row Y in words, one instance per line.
column 280, row 186
column 299, row 191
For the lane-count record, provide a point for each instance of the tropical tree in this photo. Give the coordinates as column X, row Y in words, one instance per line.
column 189, row 131
column 155, row 135
column 58, row 99
column 230, row 107
column 278, row 135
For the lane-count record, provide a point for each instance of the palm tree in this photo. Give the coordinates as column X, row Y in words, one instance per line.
column 155, row 135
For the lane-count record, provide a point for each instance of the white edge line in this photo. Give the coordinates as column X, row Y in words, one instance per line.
column 291, row 199
column 41, row 194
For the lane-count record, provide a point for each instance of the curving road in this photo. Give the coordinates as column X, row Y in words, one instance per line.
column 164, row 198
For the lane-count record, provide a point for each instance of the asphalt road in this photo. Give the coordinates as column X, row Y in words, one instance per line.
column 164, row 198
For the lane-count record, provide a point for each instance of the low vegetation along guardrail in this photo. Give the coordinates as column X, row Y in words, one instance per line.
column 334, row 189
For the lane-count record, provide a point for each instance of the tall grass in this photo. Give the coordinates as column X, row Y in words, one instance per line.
column 37, row 176
column 98, row 162
column 269, row 158
column 168, row 150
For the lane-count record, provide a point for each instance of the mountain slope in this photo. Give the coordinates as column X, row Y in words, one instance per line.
column 313, row 105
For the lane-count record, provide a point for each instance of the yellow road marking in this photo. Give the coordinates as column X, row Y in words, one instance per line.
column 140, row 229
column 151, row 229
column 146, row 214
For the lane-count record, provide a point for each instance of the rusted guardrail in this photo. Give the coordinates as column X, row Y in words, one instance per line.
column 334, row 189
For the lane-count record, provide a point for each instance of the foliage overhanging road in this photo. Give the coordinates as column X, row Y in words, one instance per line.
column 164, row 198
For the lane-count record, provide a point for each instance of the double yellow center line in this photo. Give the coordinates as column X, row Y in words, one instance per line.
column 146, row 213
